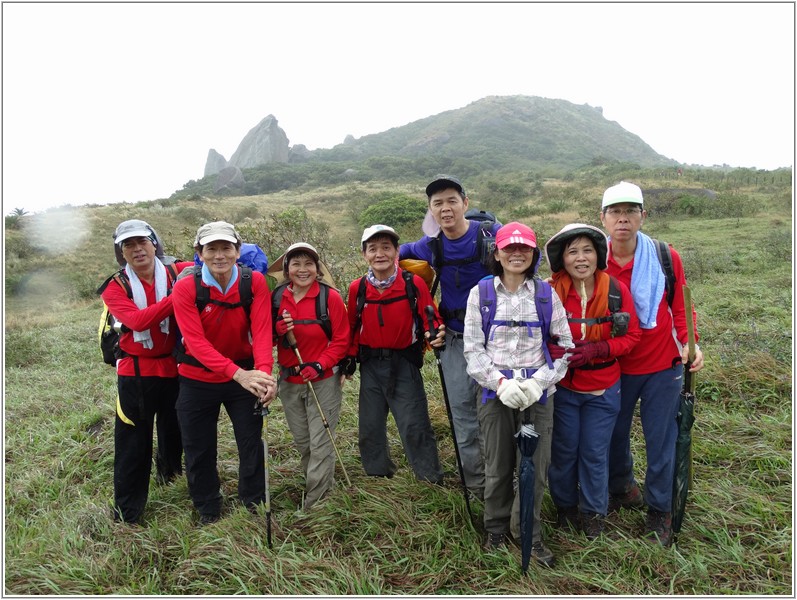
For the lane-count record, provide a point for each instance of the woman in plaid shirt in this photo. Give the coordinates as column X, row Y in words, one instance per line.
column 512, row 368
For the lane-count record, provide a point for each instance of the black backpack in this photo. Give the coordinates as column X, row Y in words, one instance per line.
column 485, row 244
column 321, row 307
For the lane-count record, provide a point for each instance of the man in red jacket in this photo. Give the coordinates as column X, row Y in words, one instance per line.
column 388, row 337
column 146, row 371
column 227, row 361
column 653, row 371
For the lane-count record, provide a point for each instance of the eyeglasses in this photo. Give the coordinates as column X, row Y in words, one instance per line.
column 512, row 248
column 626, row 212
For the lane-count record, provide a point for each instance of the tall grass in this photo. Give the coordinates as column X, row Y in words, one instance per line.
column 401, row 536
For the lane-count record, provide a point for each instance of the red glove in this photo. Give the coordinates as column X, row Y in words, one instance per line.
column 585, row 352
column 310, row 371
column 556, row 351
column 281, row 326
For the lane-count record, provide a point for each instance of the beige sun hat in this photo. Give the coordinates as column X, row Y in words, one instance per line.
column 278, row 269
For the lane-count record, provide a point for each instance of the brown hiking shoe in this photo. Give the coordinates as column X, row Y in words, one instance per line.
column 630, row 499
column 542, row 555
column 658, row 527
column 495, row 541
column 592, row 523
column 567, row 516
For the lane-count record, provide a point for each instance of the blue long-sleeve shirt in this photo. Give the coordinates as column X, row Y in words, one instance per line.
column 456, row 281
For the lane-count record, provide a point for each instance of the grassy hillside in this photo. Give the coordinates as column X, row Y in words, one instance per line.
column 396, row 536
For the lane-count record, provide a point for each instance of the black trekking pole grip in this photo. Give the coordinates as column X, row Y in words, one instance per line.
column 430, row 319
column 430, row 316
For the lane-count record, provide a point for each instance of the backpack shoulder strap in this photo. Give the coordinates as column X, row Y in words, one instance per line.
column 276, row 300
column 360, row 304
column 245, row 287
column 411, row 289
column 121, row 278
column 487, row 304
column 412, row 297
column 202, row 292
column 544, row 302
column 322, row 309
column 665, row 260
column 615, row 296
column 436, row 248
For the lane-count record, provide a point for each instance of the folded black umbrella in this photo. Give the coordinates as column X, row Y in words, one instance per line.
column 682, row 477
column 683, row 454
column 527, row 439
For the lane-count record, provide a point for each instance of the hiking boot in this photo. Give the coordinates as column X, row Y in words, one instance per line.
column 630, row 499
column 542, row 555
column 592, row 523
column 207, row 519
column 567, row 517
column 495, row 541
column 658, row 527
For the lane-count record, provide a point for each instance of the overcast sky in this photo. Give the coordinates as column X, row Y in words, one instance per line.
column 121, row 102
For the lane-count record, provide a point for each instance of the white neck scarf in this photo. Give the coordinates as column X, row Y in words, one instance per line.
column 140, row 299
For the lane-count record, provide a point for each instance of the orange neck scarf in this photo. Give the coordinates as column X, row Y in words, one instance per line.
column 562, row 282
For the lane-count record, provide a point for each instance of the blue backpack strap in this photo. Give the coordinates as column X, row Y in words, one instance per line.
column 487, row 304
column 544, row 302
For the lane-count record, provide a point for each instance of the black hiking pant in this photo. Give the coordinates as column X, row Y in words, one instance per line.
column 198, row 408
column 146, row 402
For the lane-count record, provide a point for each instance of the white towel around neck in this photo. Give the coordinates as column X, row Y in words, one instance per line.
column 140, row 298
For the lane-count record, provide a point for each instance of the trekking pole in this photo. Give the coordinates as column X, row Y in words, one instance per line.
column 264, row 414
column 430, row 318
column 292, row 343
column 688, row 375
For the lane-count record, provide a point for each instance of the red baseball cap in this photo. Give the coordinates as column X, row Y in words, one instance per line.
column 515, row 233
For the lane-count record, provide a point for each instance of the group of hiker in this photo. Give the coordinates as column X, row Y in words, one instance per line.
column 568, row 357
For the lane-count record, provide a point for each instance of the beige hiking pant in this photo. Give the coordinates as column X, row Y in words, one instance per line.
column 309, row 434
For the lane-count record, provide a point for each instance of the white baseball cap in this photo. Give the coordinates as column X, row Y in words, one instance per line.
column 376, row 229
column 622, row 192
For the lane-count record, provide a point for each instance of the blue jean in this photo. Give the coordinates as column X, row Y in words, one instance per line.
column 582, row 430
column 659, row 395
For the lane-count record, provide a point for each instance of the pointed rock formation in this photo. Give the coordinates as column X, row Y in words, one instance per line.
column 265, row 143
column 215, row 163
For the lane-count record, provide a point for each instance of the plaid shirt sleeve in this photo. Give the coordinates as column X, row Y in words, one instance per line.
column 512, row 347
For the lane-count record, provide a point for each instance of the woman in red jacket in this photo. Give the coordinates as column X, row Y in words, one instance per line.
column 588, row 397
column 227, row 361
column 322, row 345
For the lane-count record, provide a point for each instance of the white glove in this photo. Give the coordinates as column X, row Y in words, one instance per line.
column 511, row 394
column 532, row 392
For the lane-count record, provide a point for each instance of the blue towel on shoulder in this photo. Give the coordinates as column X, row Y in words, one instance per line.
column 647, row 281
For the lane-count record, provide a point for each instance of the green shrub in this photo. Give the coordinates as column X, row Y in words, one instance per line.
column 395, row 211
